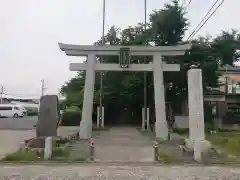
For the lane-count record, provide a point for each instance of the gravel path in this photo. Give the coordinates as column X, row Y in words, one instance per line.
column 123, row 144
column 90, row 172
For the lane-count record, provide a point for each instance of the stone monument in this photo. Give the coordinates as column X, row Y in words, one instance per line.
column 196, row 139
column 49, row 116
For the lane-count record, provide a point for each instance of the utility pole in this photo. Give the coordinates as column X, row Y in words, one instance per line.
column 42, row 86
column 1, row 95
column 145, row 61
column 101, row 59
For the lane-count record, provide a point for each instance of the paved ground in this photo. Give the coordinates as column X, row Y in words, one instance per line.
column 10, row 140
column 25, row 123
column 123, row 144
column 14, row 131
column 75, row 172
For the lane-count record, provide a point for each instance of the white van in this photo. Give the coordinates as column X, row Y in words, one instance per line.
column 10, row 110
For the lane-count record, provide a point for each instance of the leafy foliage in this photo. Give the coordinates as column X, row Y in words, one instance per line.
column 226, row 47
column 71, row 118
column 168, row 25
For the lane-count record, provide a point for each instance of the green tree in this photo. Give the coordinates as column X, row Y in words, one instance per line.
column 168, row 25
column 226, row 47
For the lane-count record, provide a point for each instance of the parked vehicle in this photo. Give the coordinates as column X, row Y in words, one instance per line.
column 10, row 110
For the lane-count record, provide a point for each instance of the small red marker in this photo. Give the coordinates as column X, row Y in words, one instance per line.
column 91, row 142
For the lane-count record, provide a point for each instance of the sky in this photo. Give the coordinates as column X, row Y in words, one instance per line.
column 31, row 29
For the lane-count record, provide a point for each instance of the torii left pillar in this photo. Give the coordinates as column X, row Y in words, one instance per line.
column 86, row 123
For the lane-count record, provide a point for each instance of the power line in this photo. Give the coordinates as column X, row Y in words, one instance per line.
column 204, row 18
column 207, row 19
column 200, row 25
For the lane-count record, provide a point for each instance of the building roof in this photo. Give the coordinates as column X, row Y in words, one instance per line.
column 232, row 73
column 235, row 77
column 228, row 68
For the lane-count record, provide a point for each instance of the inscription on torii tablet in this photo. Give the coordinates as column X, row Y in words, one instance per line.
column 125, row 57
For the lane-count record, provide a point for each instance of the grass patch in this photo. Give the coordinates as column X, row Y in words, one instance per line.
column 21, row 156
column 167, row 157
column 66, row 154
column 228, row 142
column 78, row 156
column 58, row 154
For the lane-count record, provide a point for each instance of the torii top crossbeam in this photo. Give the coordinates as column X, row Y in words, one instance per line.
column 84, row 50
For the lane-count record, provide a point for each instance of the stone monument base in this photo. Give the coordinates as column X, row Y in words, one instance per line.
column 199, row 147
column 190, row 144
column 39, row 142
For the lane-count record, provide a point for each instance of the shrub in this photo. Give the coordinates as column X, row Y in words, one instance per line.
column 71, row 118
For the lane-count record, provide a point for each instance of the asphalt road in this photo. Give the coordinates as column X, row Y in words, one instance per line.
column 101, row 172
column 25, row 123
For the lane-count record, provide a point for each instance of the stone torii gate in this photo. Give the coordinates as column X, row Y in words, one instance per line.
column 125, row 53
